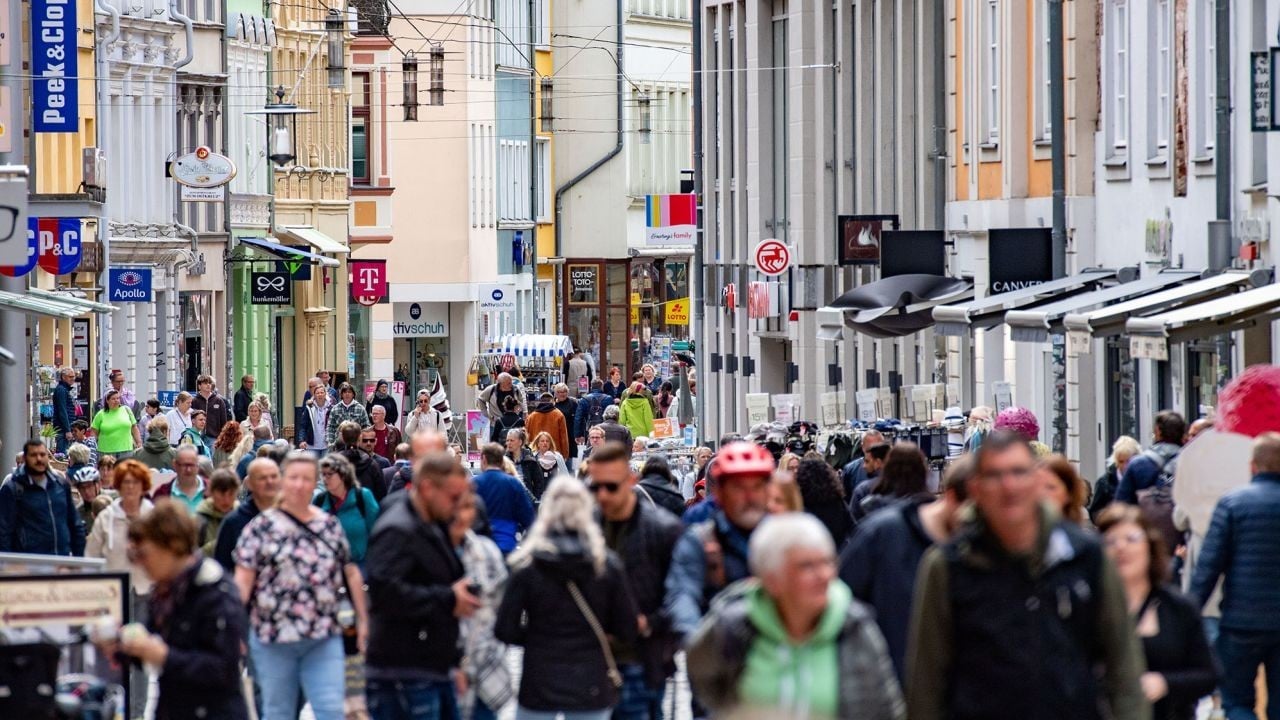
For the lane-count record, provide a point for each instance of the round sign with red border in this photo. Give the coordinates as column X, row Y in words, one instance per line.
column 772, row 257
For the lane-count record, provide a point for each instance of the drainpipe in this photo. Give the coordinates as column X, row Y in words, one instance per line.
column 617, row 148
column 533, row 167
column 698, row 275
column 1220, row 242
column 940, row 118
column 102, row 60
column 190, row 33
column 1058, row 149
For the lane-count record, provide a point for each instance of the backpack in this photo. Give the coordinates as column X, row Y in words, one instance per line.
column 595, row 410
column 324, row 499
column 1156, row 501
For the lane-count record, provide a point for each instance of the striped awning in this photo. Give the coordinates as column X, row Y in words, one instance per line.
column 534, row 346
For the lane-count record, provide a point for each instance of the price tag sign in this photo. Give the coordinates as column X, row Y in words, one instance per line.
column 1078, row 343
column 757, row 408
column 866, row 401
column 832, row 402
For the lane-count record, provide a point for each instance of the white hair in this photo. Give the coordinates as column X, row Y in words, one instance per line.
column 566, row 509
column 612, row 413
column 779, row 534
column 1123, row 448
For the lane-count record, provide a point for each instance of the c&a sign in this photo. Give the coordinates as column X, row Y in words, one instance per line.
column 368, row 281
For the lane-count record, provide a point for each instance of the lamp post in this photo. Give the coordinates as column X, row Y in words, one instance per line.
column 409, row 73
column 646, row 118
column 547, row 96
column 282, row 128
column 335, row 34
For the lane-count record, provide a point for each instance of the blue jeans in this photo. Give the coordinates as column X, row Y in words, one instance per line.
column 316, row 665
column 524, row 713
column 480, row 711
column 636, row 700
column 1241, row 653
column 411, row 700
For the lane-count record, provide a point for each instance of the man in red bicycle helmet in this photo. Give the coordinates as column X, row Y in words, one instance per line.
column 713, row 554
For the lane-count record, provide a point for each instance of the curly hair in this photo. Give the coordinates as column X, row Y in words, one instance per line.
column 818, row 484
column 229, row 438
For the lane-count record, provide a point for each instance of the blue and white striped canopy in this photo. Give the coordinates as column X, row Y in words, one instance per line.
column 534, row 346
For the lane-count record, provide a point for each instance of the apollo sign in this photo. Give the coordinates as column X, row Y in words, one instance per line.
column 129, row 285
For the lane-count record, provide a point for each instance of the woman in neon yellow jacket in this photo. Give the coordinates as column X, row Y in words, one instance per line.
column 636, row 413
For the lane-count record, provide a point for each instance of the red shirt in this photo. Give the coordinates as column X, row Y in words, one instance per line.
column 380, row 446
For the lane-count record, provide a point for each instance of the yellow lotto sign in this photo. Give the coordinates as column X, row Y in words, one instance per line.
column 678, row 312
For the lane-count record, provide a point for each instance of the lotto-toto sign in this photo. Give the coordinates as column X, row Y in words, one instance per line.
column 58, row 240
column 129, row 285
column 772, row 257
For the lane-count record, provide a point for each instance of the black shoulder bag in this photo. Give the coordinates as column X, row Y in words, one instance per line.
column 346, row 609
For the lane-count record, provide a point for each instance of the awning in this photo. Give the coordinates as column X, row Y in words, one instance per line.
column 50, row 304
column 314, row 238
column 1035, row 324
column 284, row 252
column 533, row 346
column 1212, row 317
column 898, row 305
column 961, row 318
column 1110, row 320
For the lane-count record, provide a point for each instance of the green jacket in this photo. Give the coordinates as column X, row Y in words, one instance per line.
column 210, row 521
column 637, row 415
column 742, row 657
column 931, row 654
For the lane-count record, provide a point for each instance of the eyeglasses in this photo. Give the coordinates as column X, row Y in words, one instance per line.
column 1129, row 538
column 328, row 471
column 368, row 441
column 608, row 487
column 1017, row 473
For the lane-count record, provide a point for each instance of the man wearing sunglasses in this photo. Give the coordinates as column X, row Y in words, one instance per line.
column 644, row 537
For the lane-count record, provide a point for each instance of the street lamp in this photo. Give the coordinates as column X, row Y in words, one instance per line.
column 548, row 116
column 282, row 128
column 335, row 31
column 435, row 94
column 409, row 71
column 646, row 118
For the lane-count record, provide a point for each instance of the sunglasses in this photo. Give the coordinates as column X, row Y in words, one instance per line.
column 608, row 487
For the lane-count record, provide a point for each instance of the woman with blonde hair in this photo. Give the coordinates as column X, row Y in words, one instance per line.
column 1123, row 450
column 571, row 593
column 257, row 418
column 789, row 463
column 783, row 494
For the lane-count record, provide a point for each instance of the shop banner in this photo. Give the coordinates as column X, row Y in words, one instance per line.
column 670, row 219
column 368, row 280
column 1019, row 258
column 913, row 252
column 33, row 252
column 58, row 244
column 270, row 288
column 426, row 319
column 858, row 237
column 396, row 391
column 477, row 434
column 55, row 85
column 677, row 312
column 129, row 285
column 497, row 297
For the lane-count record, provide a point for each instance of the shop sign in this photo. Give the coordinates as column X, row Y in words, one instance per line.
column 1019, row 258
column 858, row 237
column 13, row 220
column 1079, row 343
column 36, row 600
column 497, row 297
column 665, row 428
column 1260, row 86
column 129, row 285
column 772, row 257
column 203, row 168
column 199, row 194
column 913, row 252
column 58, row 243
column 678, row 312
column 1149, row 348
column 584, row 284
column 368, row 280
column 55, row 87
column 299, row 270
column 270, row 288
column 425, row 319
column 670, row 219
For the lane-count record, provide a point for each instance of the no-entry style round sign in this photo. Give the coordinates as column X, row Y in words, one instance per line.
column 772, row 257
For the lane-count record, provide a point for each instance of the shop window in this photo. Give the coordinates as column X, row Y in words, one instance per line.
column 617, row 279
column 583, row 328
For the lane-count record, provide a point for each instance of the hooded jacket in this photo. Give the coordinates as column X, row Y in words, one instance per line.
column 156, row 452
column 109, row 539
column 368, row 471
column 546, row 418
column 564, row 666
column 637, row 415
column 216, row 413
column 663, row 494
column 742, row 656
column 210, row 521
column 39, row 520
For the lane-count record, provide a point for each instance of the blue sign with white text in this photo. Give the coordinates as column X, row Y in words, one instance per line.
column 129, row 285
column 55, row 89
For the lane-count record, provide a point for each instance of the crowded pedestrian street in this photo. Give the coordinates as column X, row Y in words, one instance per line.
column 639, row 360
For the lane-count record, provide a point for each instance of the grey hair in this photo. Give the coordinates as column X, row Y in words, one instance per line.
column 560, row 386
column 67, row 371
column 1124, row 447
column 78, row 454
column 264, row 401
column 566, row 509
column 779, row 534
column 612, row 412
column 505, row 376
column 187, row 449
column 300, row 457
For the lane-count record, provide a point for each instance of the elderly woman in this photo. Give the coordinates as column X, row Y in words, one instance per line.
column 813, row 651
column 354, row 506
column 1123, row 450
column 293, row 562
column 196, row 625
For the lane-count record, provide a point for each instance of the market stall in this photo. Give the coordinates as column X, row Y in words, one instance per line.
column 539, row 358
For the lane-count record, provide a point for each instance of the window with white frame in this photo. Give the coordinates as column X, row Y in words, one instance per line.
column 1206, row 78
column 1116, row 81
column 513, row 169
column 991, row 72
column 543, row 30
column 1043, row 80
column 1159, row 78
column 542, row 170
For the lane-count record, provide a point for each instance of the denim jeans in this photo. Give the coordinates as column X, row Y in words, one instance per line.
column 316, row 665
column 524, row 713
column 636, row 700
column 480, row 711
column 411, row 700
column 1241, row 653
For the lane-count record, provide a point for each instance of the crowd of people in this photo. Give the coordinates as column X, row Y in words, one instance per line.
column 1012, row 589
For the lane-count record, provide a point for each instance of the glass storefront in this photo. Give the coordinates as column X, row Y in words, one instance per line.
column 359, row 332
column 418, row 361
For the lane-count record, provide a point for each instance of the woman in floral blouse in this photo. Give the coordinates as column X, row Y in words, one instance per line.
column 291, row 562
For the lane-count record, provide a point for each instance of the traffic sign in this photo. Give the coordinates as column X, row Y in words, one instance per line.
column 772, row 257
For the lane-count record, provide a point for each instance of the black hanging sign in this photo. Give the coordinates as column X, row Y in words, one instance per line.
column 1019, row 258
column 270, row 288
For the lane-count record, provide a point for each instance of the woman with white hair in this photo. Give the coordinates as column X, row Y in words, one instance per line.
column 566, row 597
column 792, row 639
column 1123, row 450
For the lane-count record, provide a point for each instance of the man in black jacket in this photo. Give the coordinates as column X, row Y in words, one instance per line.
column 244, row 398
column 264, row 484
column 368, row 472
column 417, row 592
column 644, row 537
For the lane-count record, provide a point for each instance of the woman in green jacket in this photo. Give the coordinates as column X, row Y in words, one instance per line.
column 637, row 413
column 354, row 506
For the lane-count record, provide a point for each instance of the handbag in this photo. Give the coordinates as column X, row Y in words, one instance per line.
column 346, row 610
column 615, row 677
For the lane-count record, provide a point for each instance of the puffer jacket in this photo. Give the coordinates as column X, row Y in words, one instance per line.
column 663, row 494
column 689, row 588
column 39, row 520
column 339, row 414
column 564, row 667
column 737, row 633
column 1241, row 545
column 546, row 418
column 109, row 540
column 156, row 452
column 637, row 416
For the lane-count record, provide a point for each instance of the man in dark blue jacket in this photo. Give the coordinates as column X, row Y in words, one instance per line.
column 857, row 472
column 37, row 513
column 64, row 408
column 1144, row 471
column 590, row 410
column 507, row 501
column 879, row 564
column 1243, row 547
column 263, row 482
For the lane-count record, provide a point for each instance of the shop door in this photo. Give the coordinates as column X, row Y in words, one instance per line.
column 1122, row 391
column 1208, row 370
